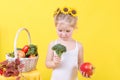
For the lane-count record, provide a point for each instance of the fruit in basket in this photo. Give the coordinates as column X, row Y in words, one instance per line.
column 87, row 68
column 25, row 48
column 20, row 53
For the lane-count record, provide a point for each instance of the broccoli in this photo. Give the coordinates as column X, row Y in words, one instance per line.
column 32, row 50
column 59, row 49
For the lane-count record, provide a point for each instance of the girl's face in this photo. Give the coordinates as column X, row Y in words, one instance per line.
column 64, row 31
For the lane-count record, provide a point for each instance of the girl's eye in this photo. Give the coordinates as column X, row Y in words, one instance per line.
column 60, row 30
column 67, row 30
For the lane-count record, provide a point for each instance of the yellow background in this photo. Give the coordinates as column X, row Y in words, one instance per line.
column 98, row 31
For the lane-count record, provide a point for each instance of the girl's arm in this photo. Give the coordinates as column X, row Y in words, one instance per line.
column 80, row 55
column 51, row 60
column 80, row 60
column 49, row 57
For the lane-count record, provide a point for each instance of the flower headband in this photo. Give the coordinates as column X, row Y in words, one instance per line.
column 66, row 10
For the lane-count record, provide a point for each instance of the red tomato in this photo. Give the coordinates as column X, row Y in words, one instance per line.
column 25, row 48
column 87, row 68
column 1, row 71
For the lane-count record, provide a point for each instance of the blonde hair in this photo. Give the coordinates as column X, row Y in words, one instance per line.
column 66, row 18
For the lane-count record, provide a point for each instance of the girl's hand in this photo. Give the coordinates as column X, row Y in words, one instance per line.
column 56, row 60
column 85, row 74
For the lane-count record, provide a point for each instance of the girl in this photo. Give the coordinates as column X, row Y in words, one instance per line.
column 65, row 69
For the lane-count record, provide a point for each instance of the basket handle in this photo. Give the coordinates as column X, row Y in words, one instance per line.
column 16, row 37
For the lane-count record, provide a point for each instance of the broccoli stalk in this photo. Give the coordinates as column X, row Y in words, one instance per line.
column 59, row 49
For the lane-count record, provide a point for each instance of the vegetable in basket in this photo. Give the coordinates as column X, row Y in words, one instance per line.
column 28, row 51
column 11, row 54
column 25, row 48
column 32, row 51
column 59, row 49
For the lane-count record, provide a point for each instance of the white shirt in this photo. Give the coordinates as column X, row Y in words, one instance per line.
column 68, row 67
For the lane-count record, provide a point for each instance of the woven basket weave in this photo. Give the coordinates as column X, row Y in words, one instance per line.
column 29, row 63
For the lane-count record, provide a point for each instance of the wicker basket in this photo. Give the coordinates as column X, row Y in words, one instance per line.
column 29, row 63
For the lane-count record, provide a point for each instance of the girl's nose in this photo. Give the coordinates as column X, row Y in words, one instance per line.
column 64, row 34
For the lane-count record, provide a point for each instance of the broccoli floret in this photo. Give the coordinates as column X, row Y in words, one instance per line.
column 32, row 50
column 59, row 49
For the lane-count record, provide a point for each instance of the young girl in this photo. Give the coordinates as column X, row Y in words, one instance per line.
column 66, row 67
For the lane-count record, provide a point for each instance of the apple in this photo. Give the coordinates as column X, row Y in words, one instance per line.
column 87, row 68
